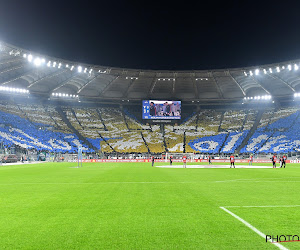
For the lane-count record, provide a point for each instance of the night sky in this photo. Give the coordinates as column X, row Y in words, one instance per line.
column 155, row 35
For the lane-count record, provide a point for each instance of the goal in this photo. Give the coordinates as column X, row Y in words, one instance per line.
column 178, row 156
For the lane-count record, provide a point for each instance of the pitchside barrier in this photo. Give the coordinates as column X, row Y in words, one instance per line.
column 179, row 160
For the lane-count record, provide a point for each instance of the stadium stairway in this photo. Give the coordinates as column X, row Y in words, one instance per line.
column 124, row 117
column 223, row 144
column 245, row 119
column 73, row 112
column 251, row 132
column 100, row 117
column 221, row 120
column 145, row 143
column 106, row 142
column 264, row 143
column 162, row 130
column 65, row 120
column 184, row 142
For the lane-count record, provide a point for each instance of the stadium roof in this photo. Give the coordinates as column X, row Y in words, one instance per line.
column 47, row 76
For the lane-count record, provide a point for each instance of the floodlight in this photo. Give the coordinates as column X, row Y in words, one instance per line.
column 59, row 94
column 43, row 60
column 296, row 67
column 37, row 61
column 278, row 69
column 24, row 55
column 290, row 67
column 85, row 70
column 251, row 73
column 29, row 58
column 256, row 72
column 49, row 63
column 79, row 69
column 270, row 70
column 265, row 72
column 258, row 97
column 54, row 64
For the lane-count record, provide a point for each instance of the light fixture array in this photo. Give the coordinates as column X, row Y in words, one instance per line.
column 132, row 77
column 277, row 69
column 263, row 97
column 15, row 90
column 166, row 79
column 64, row 95
column 38, row 61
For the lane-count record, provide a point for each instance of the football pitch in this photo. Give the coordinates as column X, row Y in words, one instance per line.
column 136, row 206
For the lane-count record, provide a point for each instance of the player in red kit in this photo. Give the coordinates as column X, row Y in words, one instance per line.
column 209, row 160
column 184, row 161
column 250, row 160
column 284, row 158
column 274, row 158
column 232, row 161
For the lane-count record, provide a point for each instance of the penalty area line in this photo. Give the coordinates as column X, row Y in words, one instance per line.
column 252, row 228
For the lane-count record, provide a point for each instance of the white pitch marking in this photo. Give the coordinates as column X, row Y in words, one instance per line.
column 268, row 206
column 255, row 179
column 253, row 228
column 93, row 183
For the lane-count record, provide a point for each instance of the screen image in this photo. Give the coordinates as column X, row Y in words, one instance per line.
column 154, row 109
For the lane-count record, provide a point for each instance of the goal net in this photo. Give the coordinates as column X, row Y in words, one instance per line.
column 178, row 156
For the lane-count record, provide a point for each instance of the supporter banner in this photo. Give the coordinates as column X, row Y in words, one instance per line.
column 178, row 160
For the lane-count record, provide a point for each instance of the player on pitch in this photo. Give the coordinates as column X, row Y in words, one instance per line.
column 232, row 161
column 209, row 160
column 153, row 160
column 274, row 160
column 184, row 161
column 250, row 160
column 284, row 158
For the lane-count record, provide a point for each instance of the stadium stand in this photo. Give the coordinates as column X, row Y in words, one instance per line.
column 18, row 131
column 113, row 129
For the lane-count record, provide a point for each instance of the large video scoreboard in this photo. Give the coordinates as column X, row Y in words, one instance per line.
column 161, row 110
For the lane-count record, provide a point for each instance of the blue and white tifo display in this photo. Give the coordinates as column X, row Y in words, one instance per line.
column 154, row 109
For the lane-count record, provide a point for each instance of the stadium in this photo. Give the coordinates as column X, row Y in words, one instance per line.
column 77, row 142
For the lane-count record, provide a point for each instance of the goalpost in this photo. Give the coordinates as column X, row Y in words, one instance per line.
column 189, row 156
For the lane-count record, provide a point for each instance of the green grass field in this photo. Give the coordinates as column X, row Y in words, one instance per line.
column 135, row 206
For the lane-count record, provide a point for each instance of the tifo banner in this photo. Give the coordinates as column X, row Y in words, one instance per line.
column 179, row 160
